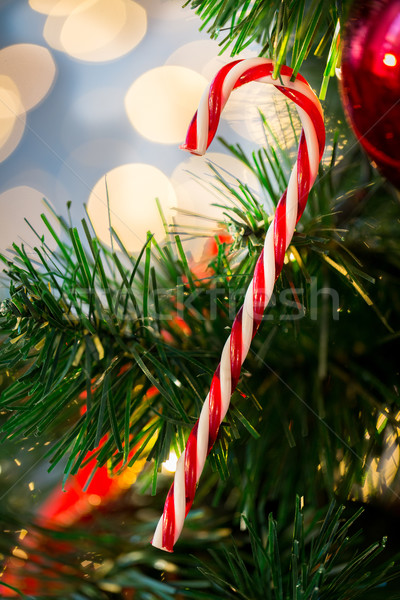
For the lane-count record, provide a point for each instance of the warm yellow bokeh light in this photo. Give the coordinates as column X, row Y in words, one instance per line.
column 242, row 114
column 128, row 37
column 92, row 25
column 95, row 30
column 10, row 107
column 132, row 190
column 196, row 55
column 160, row 103
column 52, row 31
column 94, row 499
column 167, row 10
column 60, row 9
column 193, row 181
column 241, row 111
column 32, row 69
column 12, row 117
column 16, row 204
column 170, row 464
column 27, row 74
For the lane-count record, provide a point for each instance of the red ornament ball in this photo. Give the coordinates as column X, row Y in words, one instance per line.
column 371, row 81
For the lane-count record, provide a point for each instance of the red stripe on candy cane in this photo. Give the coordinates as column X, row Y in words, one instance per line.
column 201, row 132
column 215, row 408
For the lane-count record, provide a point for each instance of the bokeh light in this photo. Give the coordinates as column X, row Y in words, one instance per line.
column 390, row 60
column 242, row 109
column 242, row 112
column 94, row 30
column 33, row 70
column 197, row 56
column 193, row 181
column 12, row 121
column 161, row 102
column 27, row 203
column 169, row 465
column 61, row 8
column 8, row 100
column 131, row 190
column 27, row 74
column 166, row 10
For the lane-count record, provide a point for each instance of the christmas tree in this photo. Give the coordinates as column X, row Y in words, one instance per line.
column 107, row 356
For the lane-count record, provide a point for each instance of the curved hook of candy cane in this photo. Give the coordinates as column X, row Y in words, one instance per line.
column 268, row 267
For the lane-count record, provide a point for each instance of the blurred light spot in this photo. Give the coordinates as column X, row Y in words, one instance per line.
column 49, row 184
column 217, row 61
column 171, row 462
column 19, row 553
column 96, row 30
column 108, row 586
column 193, row 181
column 22, row 533
column 26, row 202
column 86, row 563
column 160, row 103
column 17, row 462
column 12, row 116
column 242, row 114
column 164, row 565
column 130, row 474
column 166, row 10
column 62, row 8
column 31, row 486
column 132, row 190
column 196, row 55
column 32, row 69
column 52, row 31
column 94, row 500
column 106, row 567
column 10, row 106
column 390, row 60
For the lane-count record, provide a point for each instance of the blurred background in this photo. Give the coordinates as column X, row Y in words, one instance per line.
column 96, row 96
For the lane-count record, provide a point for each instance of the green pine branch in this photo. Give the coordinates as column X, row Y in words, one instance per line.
column 91, row 330
column 84, row 333
column 324, row 554
column 323, row 562
column 287, row 31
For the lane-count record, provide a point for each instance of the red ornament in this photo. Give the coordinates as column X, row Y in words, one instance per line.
column 371, row 81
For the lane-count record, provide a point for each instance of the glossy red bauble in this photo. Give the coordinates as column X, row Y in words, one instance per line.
column 371, row 81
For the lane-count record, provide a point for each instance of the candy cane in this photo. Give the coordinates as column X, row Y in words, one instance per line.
column 290, row 207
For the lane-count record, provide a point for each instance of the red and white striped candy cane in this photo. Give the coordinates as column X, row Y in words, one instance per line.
column 201, row 132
